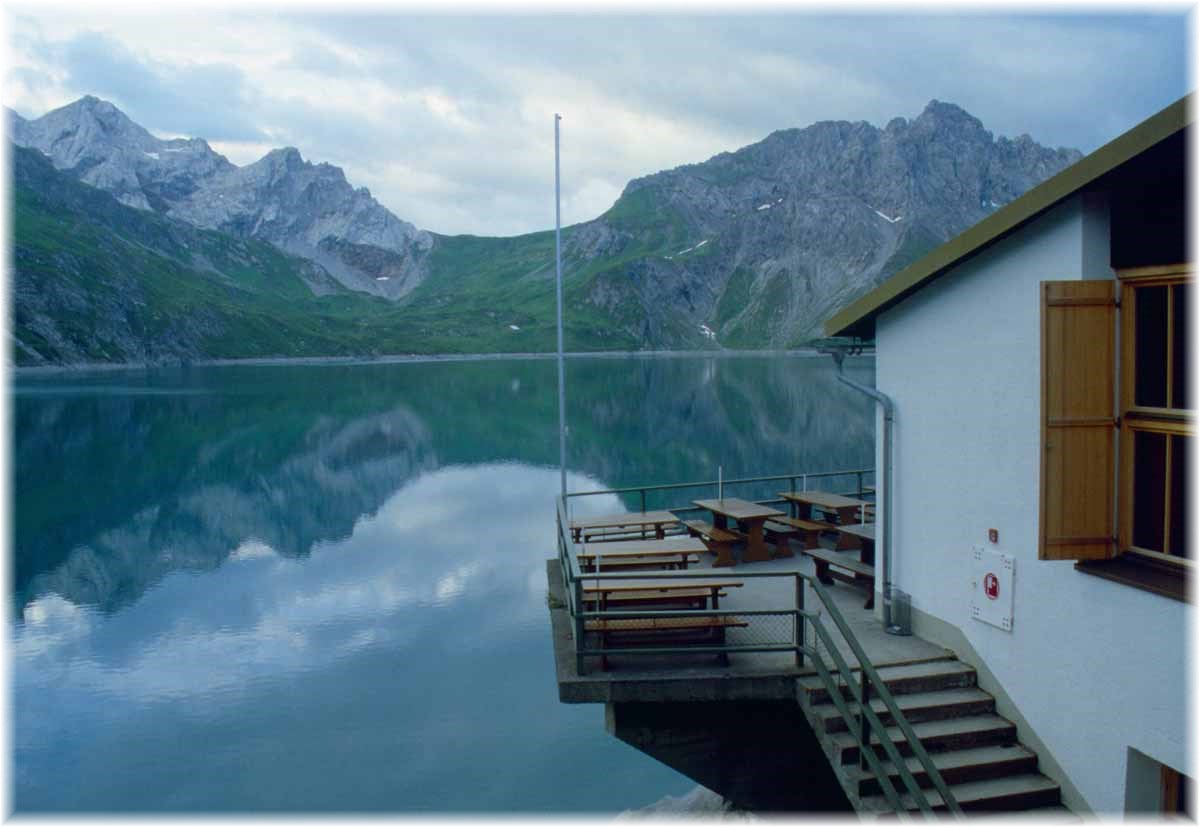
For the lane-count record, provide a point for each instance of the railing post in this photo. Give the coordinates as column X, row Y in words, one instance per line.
column 864, row 694
column 799, row 620
column 580, row 631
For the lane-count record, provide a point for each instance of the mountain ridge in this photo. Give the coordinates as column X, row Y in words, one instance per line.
column 750, row 248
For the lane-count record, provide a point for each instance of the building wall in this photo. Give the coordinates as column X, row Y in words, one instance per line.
column 1093, row 666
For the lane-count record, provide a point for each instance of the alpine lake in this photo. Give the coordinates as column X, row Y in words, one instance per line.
column 322, row 587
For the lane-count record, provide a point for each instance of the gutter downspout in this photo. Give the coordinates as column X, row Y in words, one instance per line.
column 889, row 412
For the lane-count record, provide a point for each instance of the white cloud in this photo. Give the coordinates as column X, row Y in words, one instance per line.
column 448, row 119
column 368, row 589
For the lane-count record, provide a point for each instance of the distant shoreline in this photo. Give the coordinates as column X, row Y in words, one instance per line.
column 285, row 361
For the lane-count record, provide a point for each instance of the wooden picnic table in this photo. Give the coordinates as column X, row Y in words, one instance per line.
column 864, row 531
column 863, row 568
column 702, row 592
column 847, row 510
column 625, row 560
column 749, row 517
column 651, row 545
column 636, row 519
column 675, row 552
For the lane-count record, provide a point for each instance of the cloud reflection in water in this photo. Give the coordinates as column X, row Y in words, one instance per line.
column 450, row 569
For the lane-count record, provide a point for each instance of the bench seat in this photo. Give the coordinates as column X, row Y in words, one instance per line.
column 864, row 573
column 719, row 540
column 634, row 562
column 697, row 597
column 705, row 531
column 607, row 535
column 780, row 529
column 664, row 631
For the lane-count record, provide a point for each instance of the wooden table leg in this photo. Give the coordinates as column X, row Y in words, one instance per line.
column 823, row 574
column 847, row 541
column 756, row 547
column 724, row 552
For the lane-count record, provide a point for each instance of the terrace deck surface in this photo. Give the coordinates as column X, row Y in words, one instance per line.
column 749, row 676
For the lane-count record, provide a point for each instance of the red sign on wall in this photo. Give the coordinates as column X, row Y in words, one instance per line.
column 991, row 586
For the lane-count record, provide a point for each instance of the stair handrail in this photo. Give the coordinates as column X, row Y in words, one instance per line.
column 839, row 701
column 863, row 736
column 867, row 670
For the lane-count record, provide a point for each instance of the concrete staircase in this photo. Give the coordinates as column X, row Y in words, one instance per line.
column 974, row 749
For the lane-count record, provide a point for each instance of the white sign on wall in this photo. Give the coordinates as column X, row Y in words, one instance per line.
column 992, row 587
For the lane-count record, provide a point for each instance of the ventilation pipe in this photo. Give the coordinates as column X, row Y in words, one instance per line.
column 885, row 500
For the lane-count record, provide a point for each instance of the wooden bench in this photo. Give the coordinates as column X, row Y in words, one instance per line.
column 780, row 529
column 637, row 560
column 689, row 598
column 864, row 574
column 664, row 631
column 609, row 535
column 719, row 540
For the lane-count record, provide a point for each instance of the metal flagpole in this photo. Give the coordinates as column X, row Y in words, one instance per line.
column 562, row 398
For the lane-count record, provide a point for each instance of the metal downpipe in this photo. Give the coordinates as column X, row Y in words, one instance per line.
column 885, row 505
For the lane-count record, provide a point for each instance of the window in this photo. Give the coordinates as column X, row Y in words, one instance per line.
column 1176, row 794
column 1156, row 422
column 1115, row 489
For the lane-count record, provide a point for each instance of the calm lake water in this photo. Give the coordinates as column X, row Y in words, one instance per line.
column 322, row 588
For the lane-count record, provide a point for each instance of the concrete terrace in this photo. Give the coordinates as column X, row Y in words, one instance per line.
column 749, row 676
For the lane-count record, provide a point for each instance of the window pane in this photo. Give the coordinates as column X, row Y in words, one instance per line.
column 1149, row 489
column 1180, row 392
column 1181, row 487
column 1150, row 338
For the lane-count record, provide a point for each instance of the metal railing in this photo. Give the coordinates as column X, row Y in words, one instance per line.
column 861, row 719
column 788, row 632
column 858, row 475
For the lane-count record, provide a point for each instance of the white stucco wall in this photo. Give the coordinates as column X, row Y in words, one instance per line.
column 1095, row 667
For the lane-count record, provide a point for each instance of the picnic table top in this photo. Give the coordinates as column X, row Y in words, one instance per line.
column 673, row 545
column 661, row 585
column 823, row 498
column 635, row 556
column 631, row 518
column 864, row 530
column 739, row 509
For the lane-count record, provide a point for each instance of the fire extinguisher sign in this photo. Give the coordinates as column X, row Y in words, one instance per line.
column 991, row 585
column 992, row 588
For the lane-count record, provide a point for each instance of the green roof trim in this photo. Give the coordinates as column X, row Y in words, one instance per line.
column 855, row 318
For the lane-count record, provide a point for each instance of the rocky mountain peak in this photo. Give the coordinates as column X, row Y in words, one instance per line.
column 939, row 116
column 303, row 208
column 287, row 158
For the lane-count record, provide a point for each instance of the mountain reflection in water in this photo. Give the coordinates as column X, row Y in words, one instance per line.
column 323, row 588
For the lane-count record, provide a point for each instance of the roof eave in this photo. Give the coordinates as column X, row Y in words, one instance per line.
column 859, row 316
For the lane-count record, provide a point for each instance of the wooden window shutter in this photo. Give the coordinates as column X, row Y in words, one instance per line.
column 1078, row 420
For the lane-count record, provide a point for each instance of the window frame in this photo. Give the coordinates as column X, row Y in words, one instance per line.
column 1133, row 418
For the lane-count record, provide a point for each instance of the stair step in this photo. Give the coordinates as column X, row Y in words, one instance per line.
column 917, row 707
column 902, row 680
column 955, row 766
column 948, row 734
column 1016, row 792
column 1057, row 814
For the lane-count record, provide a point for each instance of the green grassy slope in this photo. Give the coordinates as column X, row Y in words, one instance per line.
column 95, row 280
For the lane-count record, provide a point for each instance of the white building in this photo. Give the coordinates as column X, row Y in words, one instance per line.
column 1038, row 367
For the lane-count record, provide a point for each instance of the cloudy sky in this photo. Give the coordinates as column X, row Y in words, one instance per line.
column 448, row 119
